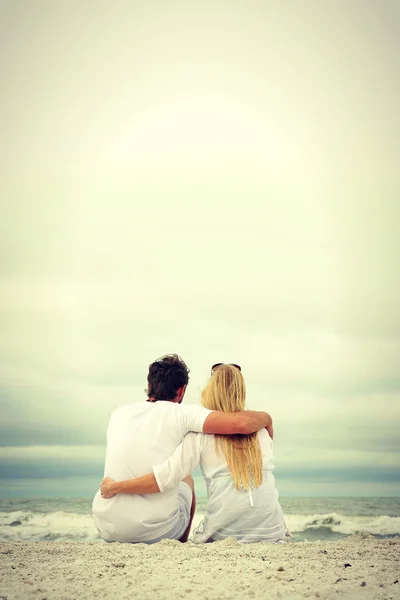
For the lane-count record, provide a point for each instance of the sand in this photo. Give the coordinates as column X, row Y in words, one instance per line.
column 359, row 566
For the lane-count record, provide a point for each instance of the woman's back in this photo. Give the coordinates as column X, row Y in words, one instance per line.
column 248, row 515
column 242, row 498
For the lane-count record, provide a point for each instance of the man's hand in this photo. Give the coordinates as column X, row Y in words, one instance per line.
column 107, row 488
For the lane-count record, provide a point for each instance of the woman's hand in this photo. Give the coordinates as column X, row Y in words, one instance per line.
column 107, row 488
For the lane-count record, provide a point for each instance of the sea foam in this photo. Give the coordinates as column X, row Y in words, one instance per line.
column 382, row 525
column 68, row 526
column 62, row 526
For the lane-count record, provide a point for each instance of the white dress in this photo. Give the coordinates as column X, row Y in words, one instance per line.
column 249, row 516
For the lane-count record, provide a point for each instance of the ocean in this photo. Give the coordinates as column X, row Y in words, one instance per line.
column 308, row 519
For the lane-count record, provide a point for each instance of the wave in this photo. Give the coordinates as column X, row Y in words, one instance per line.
column 24, row 526
column 381, row 525
column 67, row 526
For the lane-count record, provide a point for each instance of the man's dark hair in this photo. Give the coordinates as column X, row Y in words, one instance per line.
column 166, row 376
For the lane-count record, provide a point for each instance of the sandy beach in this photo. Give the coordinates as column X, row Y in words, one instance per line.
column 359, row 566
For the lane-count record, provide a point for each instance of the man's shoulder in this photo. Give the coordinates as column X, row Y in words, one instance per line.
column 131, row 408
column 193, row 417
column 160, row 410
column 174, row 409
column 183, row 413
column 192, row 409
column 179, row 408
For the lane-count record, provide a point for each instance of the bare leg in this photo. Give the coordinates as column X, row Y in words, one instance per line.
column 189, row 481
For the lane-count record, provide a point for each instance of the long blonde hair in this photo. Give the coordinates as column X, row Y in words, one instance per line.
column 226, row 391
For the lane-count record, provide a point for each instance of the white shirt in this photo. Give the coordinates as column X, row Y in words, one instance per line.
column 249, row 516
column 138, row 437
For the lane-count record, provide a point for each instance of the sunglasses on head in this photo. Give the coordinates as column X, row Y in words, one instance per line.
column 214, row 367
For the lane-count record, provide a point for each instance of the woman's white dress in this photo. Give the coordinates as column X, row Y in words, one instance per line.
column 249, row 516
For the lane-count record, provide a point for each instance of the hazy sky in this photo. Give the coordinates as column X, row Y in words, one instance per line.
column 216, row 179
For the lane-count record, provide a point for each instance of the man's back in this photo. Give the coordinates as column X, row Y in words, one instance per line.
column 139, row 436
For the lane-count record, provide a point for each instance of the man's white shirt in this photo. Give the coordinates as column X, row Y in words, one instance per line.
column 139, row 436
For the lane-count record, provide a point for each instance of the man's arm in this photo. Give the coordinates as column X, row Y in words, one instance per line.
column 244, row 422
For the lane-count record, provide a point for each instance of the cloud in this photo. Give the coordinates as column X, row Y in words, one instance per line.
column 65, row 461
column 232, row 201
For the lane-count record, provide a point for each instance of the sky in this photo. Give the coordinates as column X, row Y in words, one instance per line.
column 215, row 179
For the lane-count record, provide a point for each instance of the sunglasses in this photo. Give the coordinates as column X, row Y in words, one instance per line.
column 214, row 367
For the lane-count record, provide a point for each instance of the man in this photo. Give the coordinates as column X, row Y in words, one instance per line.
column 142, row 435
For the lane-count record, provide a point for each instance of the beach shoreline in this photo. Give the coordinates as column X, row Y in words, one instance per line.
column 359, row 566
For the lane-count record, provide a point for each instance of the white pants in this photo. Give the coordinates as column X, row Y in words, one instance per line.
column 185, row 499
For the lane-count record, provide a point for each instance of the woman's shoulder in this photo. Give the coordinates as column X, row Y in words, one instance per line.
column 194, row 434
column 264, row 437
column 193, row 437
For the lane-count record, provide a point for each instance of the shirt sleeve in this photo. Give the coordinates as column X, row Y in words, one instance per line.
column 193, row 418
column 185, row 458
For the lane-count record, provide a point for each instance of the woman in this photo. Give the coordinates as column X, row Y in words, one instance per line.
column 242, row 497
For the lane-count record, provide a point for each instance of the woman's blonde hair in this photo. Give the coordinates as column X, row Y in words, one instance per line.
column 226, row 391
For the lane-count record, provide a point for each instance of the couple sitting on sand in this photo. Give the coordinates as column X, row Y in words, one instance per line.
column 153, row 447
